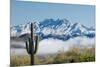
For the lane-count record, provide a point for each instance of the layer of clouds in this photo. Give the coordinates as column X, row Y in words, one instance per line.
column 50, row 46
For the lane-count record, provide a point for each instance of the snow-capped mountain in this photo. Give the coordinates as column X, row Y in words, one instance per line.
column 58, row 29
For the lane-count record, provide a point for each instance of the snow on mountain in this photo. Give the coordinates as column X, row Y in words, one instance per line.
column 59, row 29
column 20, row 30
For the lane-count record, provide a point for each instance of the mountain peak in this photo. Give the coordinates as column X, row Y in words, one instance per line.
column 50, row 28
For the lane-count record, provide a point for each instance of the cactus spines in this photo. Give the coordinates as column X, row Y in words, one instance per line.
column 32, row 45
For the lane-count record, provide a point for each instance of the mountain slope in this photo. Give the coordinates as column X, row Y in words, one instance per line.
column 58, row 29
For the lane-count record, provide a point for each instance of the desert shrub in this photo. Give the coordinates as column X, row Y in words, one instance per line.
column 16, row 60
column 71, row 56
column 60, row 58
column 68, row 57
column 76, row 55
column 88, row 55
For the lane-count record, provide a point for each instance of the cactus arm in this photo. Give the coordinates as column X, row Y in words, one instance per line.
column 36, row 44
column 27, row 47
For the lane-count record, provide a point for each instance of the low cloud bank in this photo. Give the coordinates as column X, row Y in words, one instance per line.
column 50, row 46
column 54, row 45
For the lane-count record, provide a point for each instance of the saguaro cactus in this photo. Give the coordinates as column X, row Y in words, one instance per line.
column 32, row 45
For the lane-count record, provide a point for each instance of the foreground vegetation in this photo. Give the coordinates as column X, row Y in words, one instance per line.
column 72, row 56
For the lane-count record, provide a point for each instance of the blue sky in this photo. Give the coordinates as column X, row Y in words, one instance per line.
column 24, row 12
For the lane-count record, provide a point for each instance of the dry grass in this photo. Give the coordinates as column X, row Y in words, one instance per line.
column 71, row 56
